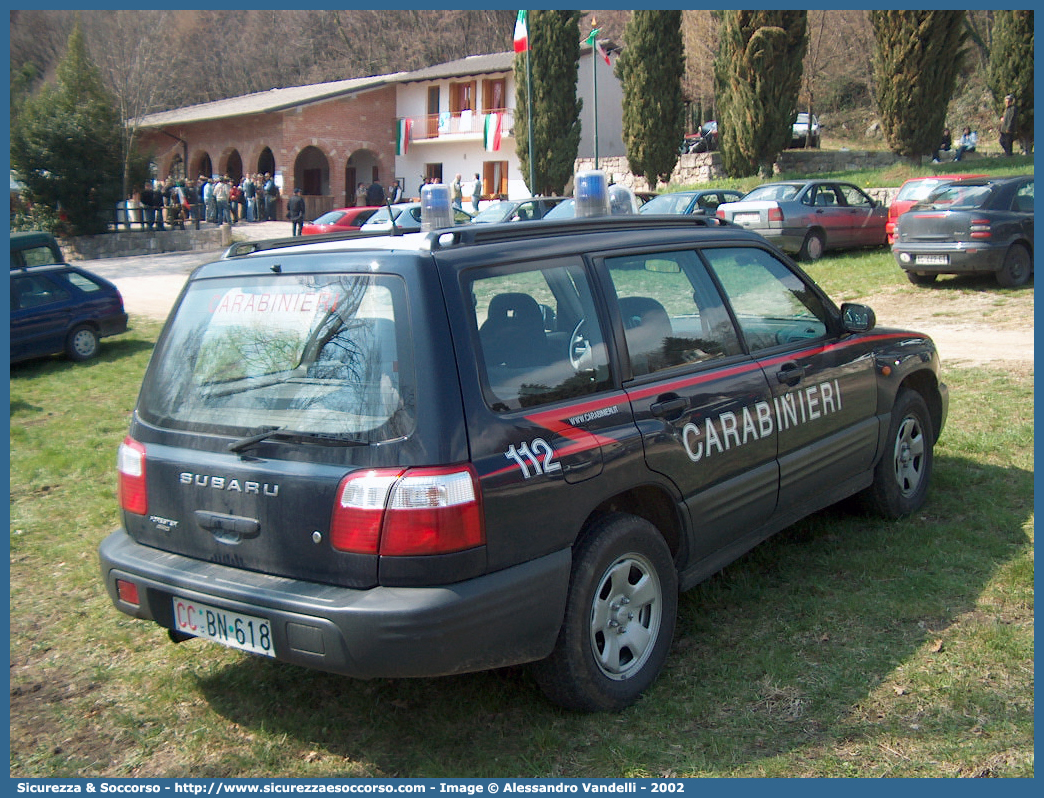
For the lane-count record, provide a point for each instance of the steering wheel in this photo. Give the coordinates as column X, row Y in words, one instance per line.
column 579, row 347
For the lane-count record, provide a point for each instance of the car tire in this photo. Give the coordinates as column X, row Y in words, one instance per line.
column 812, row 247
column 619, row 618
column 1017, row 268
column 81, row 343
column 921, row 279
column 901, row 477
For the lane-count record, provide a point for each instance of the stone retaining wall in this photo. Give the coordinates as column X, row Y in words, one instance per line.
column 127, row 243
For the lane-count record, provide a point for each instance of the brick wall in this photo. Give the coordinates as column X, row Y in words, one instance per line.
column 358, row 127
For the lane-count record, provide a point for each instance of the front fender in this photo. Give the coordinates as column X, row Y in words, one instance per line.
column 910, row 359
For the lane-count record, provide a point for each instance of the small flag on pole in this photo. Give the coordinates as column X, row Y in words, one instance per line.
column 522, row 32
column 491, row 132
column 402, row 138
column 592, row 40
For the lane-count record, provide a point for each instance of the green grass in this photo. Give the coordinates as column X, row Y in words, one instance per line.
column 844, row 646
column 890, row 177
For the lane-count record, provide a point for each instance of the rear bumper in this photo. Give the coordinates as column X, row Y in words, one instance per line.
column 505, row 618
column 962, row 258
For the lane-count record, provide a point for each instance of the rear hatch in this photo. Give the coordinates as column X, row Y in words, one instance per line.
column 276, row 379
column 936, row 225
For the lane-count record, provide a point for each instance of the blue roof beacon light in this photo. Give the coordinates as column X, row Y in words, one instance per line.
column 591, row 193
column 622, row 201
column 436, row 207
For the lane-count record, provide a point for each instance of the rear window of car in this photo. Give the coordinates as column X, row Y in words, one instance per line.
column 917, row 190
column 323, row 354
column 776, row 192
column 959, row 195
column 330, row 217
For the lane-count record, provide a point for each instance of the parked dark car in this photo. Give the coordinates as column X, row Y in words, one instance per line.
column 808, row 217
column 62, row 308
column 526, row 210
column 339, row 220
column 973, row 227
column 34, row 249
column 438, row 453
column 704, row 201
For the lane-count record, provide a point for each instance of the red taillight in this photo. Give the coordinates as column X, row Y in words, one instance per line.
column 775, row 215
column 720, row 213
column 130, row 465
column 127, row 591
column 980, row 228
column 395, row 512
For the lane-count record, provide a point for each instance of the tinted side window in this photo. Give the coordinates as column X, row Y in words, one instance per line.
column 35, row 290
column 672, row 314
column 773, row 305
column 538, row 335
column 1024, row 199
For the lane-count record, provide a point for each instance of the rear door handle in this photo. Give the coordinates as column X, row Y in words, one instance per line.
column 790, row 373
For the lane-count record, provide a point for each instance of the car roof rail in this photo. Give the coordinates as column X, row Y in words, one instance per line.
column 474, row 235
column 241, row 248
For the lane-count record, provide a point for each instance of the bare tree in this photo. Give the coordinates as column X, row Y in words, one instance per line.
column 130, row 51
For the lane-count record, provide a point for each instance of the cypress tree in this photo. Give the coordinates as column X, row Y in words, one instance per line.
column 757, row 78
column 916, row 62
column 651, row 69
column 1011, row 68
column 65, row 144
column 554, row 46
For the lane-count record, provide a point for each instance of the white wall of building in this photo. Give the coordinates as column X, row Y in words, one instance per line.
column 464, row 153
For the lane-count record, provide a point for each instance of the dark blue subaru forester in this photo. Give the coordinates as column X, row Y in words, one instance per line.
column 480, row 446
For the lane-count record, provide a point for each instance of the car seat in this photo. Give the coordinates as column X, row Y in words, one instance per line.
column 513, row 333
column 646, row 327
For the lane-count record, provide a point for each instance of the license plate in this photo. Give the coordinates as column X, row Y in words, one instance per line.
column 746, row 218
column 932, row 260
column 244, row 632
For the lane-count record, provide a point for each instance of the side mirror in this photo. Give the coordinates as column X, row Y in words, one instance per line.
column 857, row 318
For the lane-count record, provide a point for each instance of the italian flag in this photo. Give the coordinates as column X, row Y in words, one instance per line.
column 521, row 32
column 491, row 132
column 402, row 138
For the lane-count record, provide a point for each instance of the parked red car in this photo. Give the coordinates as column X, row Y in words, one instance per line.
column 339, row 220
column 913, row 191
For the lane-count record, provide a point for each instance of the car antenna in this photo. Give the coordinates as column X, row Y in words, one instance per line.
column 395, row 231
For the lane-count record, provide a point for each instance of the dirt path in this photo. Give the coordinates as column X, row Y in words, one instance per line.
column 971, row 322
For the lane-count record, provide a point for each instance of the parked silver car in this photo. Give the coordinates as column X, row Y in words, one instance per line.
column 808, row 217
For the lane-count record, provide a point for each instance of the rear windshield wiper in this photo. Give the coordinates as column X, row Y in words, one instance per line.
column 296, row 436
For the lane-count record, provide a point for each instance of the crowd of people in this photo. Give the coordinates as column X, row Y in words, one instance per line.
column 217, row 200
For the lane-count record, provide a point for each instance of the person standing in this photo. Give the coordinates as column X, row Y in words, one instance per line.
column 457, row 191
column 295, row 212
column 1007, row 123
column 375, row 194
column 476, row 192
column 250, row 195
column 222, row 191
column 208, row 200
column 395, row 192
column 271, row 198
column 148, row 208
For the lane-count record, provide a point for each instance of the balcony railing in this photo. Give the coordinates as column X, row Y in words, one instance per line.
column 458, row 124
